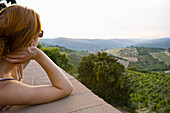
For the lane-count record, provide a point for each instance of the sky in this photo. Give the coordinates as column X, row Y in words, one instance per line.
column 103, row 19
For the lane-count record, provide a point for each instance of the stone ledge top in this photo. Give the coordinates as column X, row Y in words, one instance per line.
column 82, row 100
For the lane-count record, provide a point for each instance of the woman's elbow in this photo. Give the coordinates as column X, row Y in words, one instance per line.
column 68, row 90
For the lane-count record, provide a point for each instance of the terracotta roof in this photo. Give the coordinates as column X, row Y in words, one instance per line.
column 82, row 100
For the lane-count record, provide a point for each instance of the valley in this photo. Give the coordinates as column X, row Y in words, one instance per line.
column 145, row 67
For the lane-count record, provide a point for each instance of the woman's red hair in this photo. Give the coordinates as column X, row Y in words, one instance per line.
column 19, row 26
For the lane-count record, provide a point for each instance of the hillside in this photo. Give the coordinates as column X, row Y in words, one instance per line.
column 155, row 43
column 102, row 44
column 151, row 92
column 129, row 54
column 162, row 56
column 149, row 59
column 90, row 44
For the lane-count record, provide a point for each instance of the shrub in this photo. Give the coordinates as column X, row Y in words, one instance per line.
column 61, row 59
column 105, row 77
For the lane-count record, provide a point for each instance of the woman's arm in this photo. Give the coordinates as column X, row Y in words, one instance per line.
column 54, row 73
column 22, row 94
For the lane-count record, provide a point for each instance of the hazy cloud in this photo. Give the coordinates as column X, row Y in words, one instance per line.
column 103, row 18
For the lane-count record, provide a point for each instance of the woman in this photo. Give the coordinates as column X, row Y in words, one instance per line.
column 20, row 29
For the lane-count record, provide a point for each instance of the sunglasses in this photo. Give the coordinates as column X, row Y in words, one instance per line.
column 41, row 34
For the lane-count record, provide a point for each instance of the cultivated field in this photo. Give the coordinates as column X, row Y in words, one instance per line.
column 167, row 53
column 162, row 56
column 129, row 54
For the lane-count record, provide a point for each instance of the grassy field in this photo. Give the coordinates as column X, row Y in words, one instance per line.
column 162, row 57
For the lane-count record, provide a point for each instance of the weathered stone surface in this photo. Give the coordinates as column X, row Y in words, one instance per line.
column 82, row 100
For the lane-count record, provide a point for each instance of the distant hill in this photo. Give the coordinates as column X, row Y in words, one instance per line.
column 143, row 58
column 90, row 44
column 155, row 43
column 101, row 44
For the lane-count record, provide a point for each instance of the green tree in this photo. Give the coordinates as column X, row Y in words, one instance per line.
column 105, row 77
column 61, row 59
column 39, row 46
column 3, row 5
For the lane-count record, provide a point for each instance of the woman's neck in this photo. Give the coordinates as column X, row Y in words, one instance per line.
column 5, row 68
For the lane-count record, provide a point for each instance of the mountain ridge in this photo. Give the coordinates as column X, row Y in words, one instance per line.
column 156, row 43
column 101, row 44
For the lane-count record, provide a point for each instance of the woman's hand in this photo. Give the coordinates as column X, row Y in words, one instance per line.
column 21, row 57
